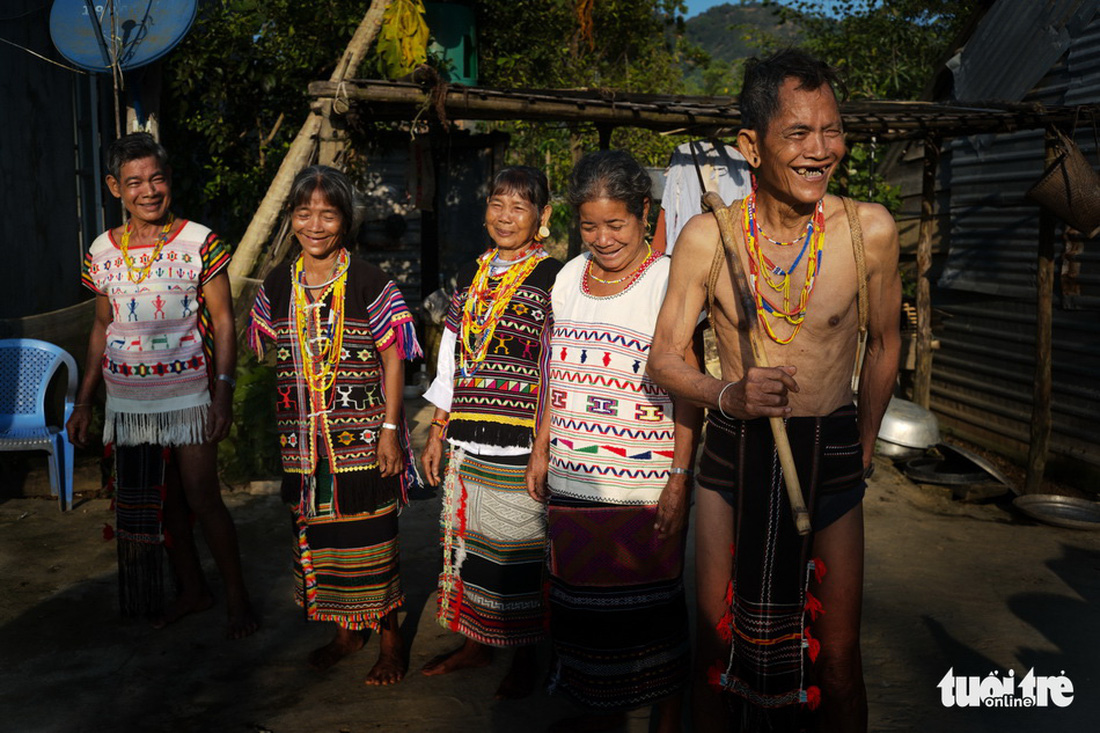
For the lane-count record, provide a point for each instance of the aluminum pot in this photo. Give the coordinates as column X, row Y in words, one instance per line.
column 907, row 425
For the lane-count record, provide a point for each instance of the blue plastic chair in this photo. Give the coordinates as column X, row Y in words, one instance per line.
column 27, row 366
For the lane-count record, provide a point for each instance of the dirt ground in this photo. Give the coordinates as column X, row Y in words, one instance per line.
column 975, row 588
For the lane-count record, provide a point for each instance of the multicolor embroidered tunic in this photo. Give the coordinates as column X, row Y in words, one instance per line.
column 375, row 318
column 157, row 359
column 493, row 534
column 618, row 616
column 611, row 429
column 346, row 512
column 497, row 404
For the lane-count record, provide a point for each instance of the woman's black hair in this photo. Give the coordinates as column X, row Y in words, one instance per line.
column 610, row 174
column 334, row 186
column 526, row 182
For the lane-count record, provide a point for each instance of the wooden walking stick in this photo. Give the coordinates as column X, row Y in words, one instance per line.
column 714, row 203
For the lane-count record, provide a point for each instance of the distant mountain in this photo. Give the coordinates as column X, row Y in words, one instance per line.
column 732, row 31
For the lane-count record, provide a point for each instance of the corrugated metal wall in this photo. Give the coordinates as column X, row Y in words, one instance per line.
column 982, row 378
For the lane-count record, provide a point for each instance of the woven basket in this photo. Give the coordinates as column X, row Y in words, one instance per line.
column 1070, row 188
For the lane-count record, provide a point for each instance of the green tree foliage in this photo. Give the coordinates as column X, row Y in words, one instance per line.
column 235, row 96
column 622, row 45
column 885, row 49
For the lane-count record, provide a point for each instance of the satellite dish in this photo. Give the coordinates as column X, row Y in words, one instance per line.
column 145, row 30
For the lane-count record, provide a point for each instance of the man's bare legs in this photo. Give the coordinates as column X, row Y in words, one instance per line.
column 713, row 570
column 193, row 475
column 839, row 666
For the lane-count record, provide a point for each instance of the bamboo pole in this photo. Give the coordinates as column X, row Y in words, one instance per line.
column 1044, row 277
column 922, row 381
column 298, row 156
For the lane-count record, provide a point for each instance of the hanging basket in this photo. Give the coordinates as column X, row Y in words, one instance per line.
column 1070, row 188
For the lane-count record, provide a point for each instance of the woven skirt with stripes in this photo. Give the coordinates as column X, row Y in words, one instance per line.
column 346, row 568
column 494, row 552
column 618, row 616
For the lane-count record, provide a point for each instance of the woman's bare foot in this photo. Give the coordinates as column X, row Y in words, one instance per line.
column 242, row 622
column 392, row 662
column 182, row 606
column 520, row 680
column 346, row 641
column 468, row 656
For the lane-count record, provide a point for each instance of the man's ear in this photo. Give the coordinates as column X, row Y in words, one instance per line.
column 747, row 144
column 113, row 186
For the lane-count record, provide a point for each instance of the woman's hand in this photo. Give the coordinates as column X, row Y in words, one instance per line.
column 390, row 461
column 77, row 426
column 672, row 507
column 219, row 418
column 431, row 458
column 538, row 465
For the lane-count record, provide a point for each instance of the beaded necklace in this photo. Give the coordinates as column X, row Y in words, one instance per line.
column 630, row 279
column 779, row 279
column 796, row 240
column 143, row 272
column 486, row 302
column 320, row 344
column 588, row 269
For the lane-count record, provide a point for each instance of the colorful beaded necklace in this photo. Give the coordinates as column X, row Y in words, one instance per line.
column 320, row 344
column 486, row 301
column 143, row 272
column 630, row 279
column 779, row 279
column 588, row 268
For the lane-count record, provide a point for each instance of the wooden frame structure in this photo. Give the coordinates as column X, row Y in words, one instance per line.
column 879, row 121
column 323, row 137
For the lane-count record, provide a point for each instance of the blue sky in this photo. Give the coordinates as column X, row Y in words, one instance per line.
column 697, row 6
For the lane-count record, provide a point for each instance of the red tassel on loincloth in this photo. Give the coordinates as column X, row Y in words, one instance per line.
column 714, row 676
column 813, row 606
column 108, row 532
column 812, row 697
column 725, row 626
column 813, row 646
column 729, row 594
column 819, row 568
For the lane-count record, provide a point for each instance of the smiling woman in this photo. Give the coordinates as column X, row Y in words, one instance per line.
column 613, row 460
column 342, row 330
column 164, row 344
column 487, row 397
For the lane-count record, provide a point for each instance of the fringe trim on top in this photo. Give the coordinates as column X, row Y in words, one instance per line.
column 487, row 432
column 176, row 427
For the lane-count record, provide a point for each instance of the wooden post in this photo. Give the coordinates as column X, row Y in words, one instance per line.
column 576, row 149
column 1044, row 282
column 922, row 380
column 605, row 136
column 297, row 157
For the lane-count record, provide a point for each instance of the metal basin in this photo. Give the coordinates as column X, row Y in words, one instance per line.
column 907, row 425
column 1060, row 511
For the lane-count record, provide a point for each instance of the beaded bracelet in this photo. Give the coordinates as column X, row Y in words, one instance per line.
column 388, row 426
column 685, row 471
column 441, row 424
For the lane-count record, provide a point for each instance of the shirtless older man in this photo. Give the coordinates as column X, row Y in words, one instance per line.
column 790, row 606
